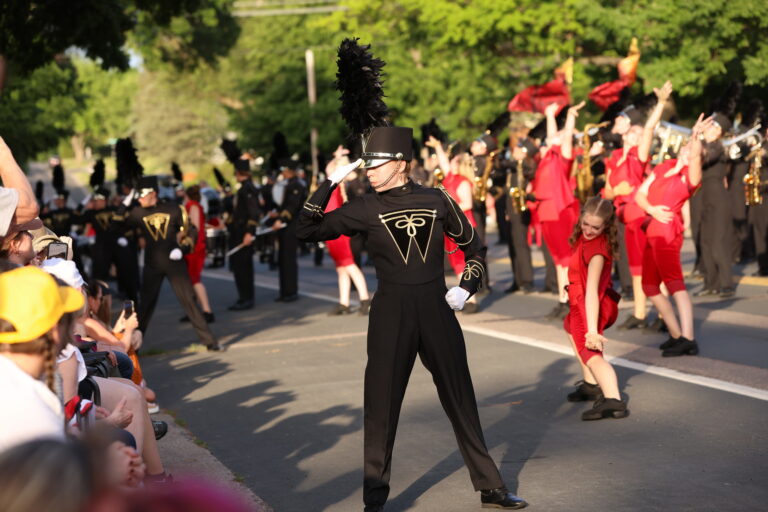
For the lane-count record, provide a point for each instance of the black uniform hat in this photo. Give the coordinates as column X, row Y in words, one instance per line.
column 59, row 183
column 492, row 131
column 235, row 156
column 129, row 170
column 147, row 185
column 528, row 146
column 363, row 109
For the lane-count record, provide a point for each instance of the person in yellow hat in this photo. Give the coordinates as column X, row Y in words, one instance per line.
column 31, row 305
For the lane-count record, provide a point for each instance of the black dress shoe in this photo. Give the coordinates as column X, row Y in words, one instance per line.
column 501, row 498
column 632, row 322
column 288, row 298
column 374, row 508
column 209, row 317
column 214, row 348
column 365, row 307
column 241, row 305
column 527, row 288
column 585, row 392
column 669, row 343
column 706, row 292
column 184, row 319
column 683, row 347
column 160, row 428
column 726, row 293
column 513, row 288
column 606, row 408
column 340, row 309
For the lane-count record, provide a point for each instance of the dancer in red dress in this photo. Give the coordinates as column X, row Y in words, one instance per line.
column 594, row 306
column 557, row 207
column 196, row 259
column 340, row 250
column 662, row 196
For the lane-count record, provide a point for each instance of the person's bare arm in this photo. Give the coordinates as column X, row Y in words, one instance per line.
column 550, row 113
column 662, row 95
column 696, row 149
column 566, row 145
column 99, row 332
column 13, row 177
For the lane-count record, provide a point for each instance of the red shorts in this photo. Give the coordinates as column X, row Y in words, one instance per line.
column 634, row 239
column 576, row 326
column 661, row 262
column 195, row 263
column 556, row 234
column 340, row 251
column 455, row 256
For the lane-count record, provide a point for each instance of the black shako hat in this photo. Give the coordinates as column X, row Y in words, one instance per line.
column 359, row 79
column 148, row 184
column 528, row 146
column 489, row 141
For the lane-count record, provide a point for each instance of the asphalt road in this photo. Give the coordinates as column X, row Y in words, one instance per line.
column 282, row 407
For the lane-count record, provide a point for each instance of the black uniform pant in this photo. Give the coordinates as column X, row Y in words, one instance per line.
column 406, row 320
column 152, row 281
column 241, row 265
column 502, row 207
column 622, row 264
column 102, row 254
column 287, row 260
column 127, row 267
column 696, row 203
column 758, row 217
column 716, row 238
column 519, row 250
column 479, row 213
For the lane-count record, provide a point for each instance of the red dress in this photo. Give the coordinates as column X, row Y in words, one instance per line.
column 631, row 170
column 339, row 248
column 576, row 322
column 196, row 259
column 557, row 209
column 661, row 257
column 451, row 184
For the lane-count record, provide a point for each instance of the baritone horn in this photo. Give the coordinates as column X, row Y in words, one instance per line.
column 753, row 179
column 517, row 194
column 481, row 182
column 584, row 177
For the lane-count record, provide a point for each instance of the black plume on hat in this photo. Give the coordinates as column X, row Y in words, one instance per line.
column 231, row 150
column 432, row 129
column 220, row 179
column 727, row 102
column 58, row 179
column 359, row 79
column 129, row 169
column 754, row 113
column 177, row 174
column 499, row 124
column 98, row 174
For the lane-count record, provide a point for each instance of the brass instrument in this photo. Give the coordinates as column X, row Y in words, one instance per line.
column 752, row 180
column 517, row 193
column 584, row 177
column 671, row 138
column 481, row 182
column 439, row 175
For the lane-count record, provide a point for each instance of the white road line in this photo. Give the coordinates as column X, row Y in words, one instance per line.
column 668, row 373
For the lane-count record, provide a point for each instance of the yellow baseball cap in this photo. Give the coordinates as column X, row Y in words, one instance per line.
column 32, row 301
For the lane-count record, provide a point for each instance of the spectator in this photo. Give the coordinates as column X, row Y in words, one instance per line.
column 17, row 244
column 17, row 199
column 28, row 351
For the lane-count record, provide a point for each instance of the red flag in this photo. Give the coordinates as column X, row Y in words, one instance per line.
column 536, row 97
column 604, row 95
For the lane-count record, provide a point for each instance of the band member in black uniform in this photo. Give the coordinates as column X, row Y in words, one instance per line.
column 162, row 225
column 126, row 258
column 99, row 217
column 716, row 236
column 294, row 193
column 758, row 213
column 242, row 224
column 520, row 165
column 411, row 312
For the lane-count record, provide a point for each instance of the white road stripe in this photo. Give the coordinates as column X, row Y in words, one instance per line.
column 668, row 373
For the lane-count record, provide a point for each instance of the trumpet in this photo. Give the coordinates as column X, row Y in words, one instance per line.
column 517, row 193
column 584, row 177
column 481, row 182
column 752, row 180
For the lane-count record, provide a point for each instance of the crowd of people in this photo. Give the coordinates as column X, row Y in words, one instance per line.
column 613, row 198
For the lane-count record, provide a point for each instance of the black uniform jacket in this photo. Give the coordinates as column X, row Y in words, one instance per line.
column 159, row 225
column 404, row 227
column 245, row 212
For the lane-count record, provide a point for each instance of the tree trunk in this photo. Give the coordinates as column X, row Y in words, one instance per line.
column 77, row 141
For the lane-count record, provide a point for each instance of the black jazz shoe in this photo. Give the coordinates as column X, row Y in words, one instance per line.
column 340, row 309
column 683, row 347
column 501, row 498
column 669, row 343
column 606, row 408
column 365, row 307
column 585, row 392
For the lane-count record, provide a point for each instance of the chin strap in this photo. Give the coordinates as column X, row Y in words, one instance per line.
column 394, row 173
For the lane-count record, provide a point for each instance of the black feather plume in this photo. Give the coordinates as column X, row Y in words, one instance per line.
column 98, row 175
column 754, row 113
column 727, row 102
column 359, row 79
column 500, row 123
column 231, row 150
column 220, row 179
column 280, row 145
column 177, row 174
column 58, row 179
column 432, row 129
column 39, row 191
column 128, row 167
column 615, row 108
column 645, row 103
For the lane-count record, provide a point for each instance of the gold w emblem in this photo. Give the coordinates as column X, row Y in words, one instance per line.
column 157, row 225
column 104, row 218
column 407, row 227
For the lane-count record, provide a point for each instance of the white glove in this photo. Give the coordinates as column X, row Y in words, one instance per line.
column 340, row 173
column 176, row 254
column 122, row 241
column 129, row 198
column 456, row 297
